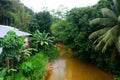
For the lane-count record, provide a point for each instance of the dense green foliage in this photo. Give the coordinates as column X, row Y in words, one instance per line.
column 5, row 13
column 41, row 21
column 34, row 68
column 107, row 39
column 44, row 21
column 21, row 62
column 16, row 61
column 12, row 53
column 33, row 25
column 44, row 42
column 63, row 31
column 11, row 45
column 72, row 28
column 109, row 35
column 75, row 30
column 13, row 13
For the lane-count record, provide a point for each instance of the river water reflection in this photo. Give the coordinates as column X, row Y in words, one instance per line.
column 69, row 68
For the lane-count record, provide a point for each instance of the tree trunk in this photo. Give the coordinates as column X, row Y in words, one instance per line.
column 7, row 62
column 12, row 67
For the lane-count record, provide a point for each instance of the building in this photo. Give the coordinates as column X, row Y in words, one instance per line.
column 4, row 29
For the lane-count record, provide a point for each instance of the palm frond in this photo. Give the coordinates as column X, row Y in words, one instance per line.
column 98, row 45
column 107, row 44
column 118, row 44
column 106, row 12
column 116, row 6
column 103, row 21
column 108, row 38
column 119, row 19
column 27, row 51
column 98, row 39
column 98, row 33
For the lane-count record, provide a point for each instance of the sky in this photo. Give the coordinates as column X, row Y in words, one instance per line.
column 37, row 5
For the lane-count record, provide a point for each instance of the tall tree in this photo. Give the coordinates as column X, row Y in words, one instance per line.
column 44, row 20
column 33, row 25
column 6, row 16
column 14, row 13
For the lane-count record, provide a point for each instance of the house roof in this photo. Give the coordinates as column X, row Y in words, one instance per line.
column 4, row 29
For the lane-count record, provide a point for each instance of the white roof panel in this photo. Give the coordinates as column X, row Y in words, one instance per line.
column 4, row 29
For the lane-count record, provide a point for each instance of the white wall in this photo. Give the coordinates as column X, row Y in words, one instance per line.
column 0, row 50
column 26, row 42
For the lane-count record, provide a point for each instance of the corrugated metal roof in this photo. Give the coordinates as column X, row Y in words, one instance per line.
column 4, row 29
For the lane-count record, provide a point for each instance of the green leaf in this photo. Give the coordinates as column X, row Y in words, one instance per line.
column 103, row 21
column 46, row 43
column 106, row 12
column 21, row 40
column 98, row 33
column 13, row 70
column 42, row 43
column 3, row 72
column 1, row 78
column 119, row 19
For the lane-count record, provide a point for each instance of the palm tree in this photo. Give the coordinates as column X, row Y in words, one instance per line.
column 110, row 35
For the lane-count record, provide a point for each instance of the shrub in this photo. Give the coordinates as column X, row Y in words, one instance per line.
column 116, row 78
column 35, row 67
column 51, row 51
column 19, row 76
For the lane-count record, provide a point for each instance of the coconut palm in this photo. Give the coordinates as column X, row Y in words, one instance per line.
column 110, row 35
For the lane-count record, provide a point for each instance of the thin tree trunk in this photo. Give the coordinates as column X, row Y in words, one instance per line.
column 7, row 62
column 12, row 66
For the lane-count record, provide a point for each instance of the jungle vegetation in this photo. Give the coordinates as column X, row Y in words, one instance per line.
column 93, row 32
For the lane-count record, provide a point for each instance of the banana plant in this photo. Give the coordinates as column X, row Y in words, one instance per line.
column 42, row 39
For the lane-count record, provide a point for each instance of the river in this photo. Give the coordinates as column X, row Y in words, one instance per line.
column 66, row 67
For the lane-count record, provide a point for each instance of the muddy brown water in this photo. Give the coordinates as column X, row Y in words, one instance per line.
column 66, row 67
